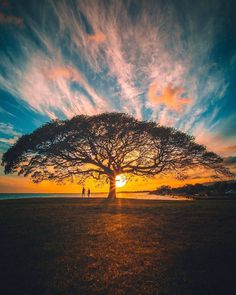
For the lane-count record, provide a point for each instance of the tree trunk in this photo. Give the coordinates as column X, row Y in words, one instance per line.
column 112, row 191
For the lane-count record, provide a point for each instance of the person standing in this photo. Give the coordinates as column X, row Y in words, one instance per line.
column 89, row 193
column 83, row 192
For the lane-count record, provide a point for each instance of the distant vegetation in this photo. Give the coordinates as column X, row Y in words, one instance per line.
column 214, row 189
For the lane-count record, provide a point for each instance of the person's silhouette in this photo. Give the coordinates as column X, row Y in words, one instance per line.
column 83, row 192
column 89, row 193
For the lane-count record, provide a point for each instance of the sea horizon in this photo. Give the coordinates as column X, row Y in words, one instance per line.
column 127, row 195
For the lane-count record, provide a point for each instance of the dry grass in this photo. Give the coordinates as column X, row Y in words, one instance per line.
column 74, row 246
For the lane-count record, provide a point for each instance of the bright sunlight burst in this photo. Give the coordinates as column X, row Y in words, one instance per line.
column 121, row 180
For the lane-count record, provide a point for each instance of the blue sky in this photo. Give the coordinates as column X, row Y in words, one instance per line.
column 169, row 61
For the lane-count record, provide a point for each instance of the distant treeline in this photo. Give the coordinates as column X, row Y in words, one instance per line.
column 219, row 188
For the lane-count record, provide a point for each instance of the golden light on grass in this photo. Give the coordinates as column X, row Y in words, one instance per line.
column 121, row 180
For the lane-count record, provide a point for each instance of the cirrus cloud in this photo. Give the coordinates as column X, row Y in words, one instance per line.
column 92, row 56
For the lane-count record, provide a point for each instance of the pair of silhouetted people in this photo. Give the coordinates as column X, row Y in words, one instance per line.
column 84, row 193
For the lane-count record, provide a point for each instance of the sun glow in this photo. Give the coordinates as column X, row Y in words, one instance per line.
column 121, row 180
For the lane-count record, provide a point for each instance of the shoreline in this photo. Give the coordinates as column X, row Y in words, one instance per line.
column 95, row 196
column 173, row 199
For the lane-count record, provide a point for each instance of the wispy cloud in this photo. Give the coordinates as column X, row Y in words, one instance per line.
column 98, row 37
column 49, row 85
column 8, row 129
column 9, row 141
column 3, row 111
column 53, row 91
column 216, row 142
column 8, row 134
column 230, row 149
column 96, row 56
column 172, row 97
column 10, row 20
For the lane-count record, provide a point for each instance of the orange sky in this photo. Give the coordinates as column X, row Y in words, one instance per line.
column 19, row 184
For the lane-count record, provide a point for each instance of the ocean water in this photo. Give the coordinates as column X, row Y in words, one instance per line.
column 136, row 195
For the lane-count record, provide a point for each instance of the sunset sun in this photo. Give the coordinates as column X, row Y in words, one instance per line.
column 121, row 180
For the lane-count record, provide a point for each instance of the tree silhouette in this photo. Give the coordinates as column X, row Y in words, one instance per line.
column 106, row 145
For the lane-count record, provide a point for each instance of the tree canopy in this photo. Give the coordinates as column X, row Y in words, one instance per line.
column 106, row 145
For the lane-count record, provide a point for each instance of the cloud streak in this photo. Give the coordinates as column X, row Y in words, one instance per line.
column 8, row 129
column 8, row 135
column 10, row 20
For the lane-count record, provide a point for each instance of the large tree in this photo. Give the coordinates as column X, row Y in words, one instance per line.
column 106, row 145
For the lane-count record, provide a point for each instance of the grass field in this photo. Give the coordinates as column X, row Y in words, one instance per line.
column 75, row 246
